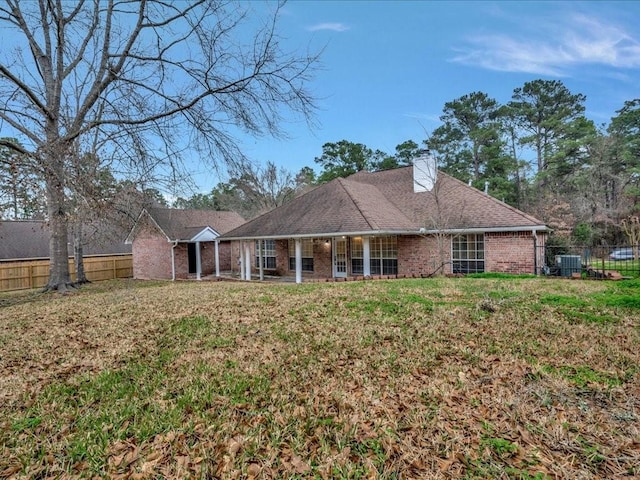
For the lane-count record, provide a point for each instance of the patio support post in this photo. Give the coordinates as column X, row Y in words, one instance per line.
column 198, row 262
column 216, row 246
column 366, row 257
column 298, row 243
column 261, row 258
column 242, row 260
column 247, row 261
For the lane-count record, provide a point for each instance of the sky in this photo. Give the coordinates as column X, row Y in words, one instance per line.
column 388, row 67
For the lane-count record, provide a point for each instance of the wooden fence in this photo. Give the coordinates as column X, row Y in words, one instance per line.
column 23, row 274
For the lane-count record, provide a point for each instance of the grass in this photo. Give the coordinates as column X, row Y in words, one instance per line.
column 506, row 377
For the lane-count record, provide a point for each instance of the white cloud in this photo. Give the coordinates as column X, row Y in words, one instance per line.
column 335, row 27
column 581, row 41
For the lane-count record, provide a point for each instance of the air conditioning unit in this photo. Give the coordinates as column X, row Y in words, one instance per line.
column 568, row 264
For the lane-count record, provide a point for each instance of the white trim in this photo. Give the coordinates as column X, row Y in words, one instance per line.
column 198, row 262
column 298, row 246
column 217, row 256
column 247, row 261
column 420, row 231
column 366, row 257
column 207, row 234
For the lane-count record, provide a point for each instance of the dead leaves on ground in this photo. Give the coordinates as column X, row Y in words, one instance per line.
column 349, row 387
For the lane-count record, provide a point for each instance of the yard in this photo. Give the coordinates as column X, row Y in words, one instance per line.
column 523, row 378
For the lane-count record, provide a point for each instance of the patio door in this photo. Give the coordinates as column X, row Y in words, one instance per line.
column 339, row 257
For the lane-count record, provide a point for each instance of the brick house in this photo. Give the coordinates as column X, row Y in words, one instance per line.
column 170, row 243
column 410, row 221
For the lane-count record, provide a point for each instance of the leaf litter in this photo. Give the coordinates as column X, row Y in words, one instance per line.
column 330, row 381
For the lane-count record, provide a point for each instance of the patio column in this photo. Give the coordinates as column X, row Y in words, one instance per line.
column 366, row 257
column 241, row 260
column 261, row 258
column 216, row 246
column 298, row 243
column 198, row 262
column 247, row 261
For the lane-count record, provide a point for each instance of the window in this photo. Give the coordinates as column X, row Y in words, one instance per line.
column 467, row 253
column 357, row 256
column 268, row 254
column 307, row 255
column 384, row 255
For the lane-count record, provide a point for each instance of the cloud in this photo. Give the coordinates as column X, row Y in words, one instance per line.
column 586, row 42
column 333, row 26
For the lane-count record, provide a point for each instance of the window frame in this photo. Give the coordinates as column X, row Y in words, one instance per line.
column 468, row 253
column 307, row 260
column 268, row 254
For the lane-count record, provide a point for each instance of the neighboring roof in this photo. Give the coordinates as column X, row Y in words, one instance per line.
column 385, row 202
column 184, row 225
column 30, row 239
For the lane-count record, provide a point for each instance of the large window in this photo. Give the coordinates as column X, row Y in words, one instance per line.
column 383, row 256
column 268, row 254
column 357, row 256
column 307, row 255
column 467, row 253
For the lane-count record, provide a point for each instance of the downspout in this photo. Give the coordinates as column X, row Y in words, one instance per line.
column 173, row 260
column 535, row 251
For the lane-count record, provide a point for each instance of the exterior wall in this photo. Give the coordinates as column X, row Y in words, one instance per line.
column 510, row 252
column 151, row 254
column 322, row 263
column 418, row 255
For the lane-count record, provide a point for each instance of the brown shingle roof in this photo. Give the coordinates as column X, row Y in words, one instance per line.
column 183, row 225
column 385, row 202
column 30, row 239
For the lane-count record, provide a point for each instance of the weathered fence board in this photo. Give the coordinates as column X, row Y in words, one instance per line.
column 23, row 274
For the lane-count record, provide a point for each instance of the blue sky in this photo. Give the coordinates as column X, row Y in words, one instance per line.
column 389, row 67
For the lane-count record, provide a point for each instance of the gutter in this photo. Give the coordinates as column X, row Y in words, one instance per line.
column 421, row 231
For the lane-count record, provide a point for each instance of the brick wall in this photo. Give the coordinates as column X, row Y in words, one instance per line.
column 418, row 255
column 510, row 252
column 151, row 254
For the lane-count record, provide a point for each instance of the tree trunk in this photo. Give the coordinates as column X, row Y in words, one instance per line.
column 59, row 278
column 78, row 260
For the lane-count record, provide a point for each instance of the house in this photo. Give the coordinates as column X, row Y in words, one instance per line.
column 170, row 243
column 29, row 239
column 411, row 221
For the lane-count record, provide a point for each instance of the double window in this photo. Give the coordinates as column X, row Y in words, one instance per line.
column 383, row 256
column 307, row 254
column 268, row 254
column 467, row 253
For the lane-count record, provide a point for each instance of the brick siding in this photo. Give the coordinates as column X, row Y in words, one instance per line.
column 152, row 256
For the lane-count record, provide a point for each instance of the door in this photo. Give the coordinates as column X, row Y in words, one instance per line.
column 339, row 257
column 191, row 257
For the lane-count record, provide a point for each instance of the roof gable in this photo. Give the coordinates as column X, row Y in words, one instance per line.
column 188, row 225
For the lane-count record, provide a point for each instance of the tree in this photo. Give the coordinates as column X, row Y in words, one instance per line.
column 470, row 135
column 552, row 121
column 253, row 189
column 345, row 158
column 625, row 130
column 20, row 189
column 147, row 78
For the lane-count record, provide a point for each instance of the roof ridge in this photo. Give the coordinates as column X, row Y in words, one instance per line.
column 342, row 181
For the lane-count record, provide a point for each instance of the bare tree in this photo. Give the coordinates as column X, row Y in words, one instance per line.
column 254, row 189
column 150, row 78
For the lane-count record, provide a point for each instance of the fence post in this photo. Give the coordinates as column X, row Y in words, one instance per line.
column 30, row 276
column 115, row 270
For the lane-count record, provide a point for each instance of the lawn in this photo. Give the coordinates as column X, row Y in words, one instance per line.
column 522, row 378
